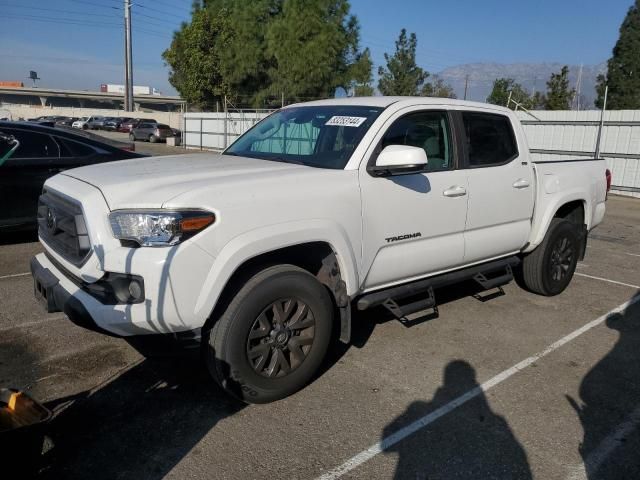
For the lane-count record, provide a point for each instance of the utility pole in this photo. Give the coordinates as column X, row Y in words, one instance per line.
column 466, row 85
column 578, row 87
column 128, row 61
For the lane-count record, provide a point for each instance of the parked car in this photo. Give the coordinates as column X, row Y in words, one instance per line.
column 129, row 125
column 113, row 123
column 94, row 123
column 66, row 121
column 151, row 132
column 43, row 152
column 317, row 209
column 81, row 123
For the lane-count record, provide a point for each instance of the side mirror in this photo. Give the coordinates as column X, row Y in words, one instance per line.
column 400, row 160
column 8, row 145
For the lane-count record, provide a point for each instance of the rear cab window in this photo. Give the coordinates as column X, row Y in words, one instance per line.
column 489, row 139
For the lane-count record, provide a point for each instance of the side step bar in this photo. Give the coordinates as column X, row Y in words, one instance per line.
column 489, row 275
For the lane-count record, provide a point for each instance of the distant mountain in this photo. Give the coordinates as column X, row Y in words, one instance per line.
column 532, row 76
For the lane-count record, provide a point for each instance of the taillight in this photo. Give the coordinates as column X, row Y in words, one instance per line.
column 608, row 176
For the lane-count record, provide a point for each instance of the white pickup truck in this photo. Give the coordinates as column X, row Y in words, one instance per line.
column 261, row 252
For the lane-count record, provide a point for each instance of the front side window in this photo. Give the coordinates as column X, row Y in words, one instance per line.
column 427, row 130
column 321, row 136
column 489, row 138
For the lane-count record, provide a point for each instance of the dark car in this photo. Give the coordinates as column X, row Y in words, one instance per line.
column 42, row 153
column 126, row 127
column 151, row 132
column 113, row 123
column 66, row 121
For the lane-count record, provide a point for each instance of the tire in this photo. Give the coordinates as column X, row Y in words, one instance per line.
column 132, row 137
column 252, row 351
column 153, row 139
column 550, row 267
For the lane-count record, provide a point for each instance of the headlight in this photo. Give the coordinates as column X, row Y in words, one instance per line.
column 158, row 228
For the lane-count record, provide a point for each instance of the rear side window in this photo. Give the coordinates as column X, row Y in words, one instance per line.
column 490, row 139
column 70, row 148
column 34, row 145
column 163, row 126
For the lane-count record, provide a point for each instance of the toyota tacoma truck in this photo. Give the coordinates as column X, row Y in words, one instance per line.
column 263, row 251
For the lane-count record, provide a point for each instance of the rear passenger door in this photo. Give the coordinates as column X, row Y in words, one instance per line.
column 22, row 176
column 501, row 191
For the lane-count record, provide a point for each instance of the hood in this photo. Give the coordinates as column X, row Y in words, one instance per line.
column 153, row 181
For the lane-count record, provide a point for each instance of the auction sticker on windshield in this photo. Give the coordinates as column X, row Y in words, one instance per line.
column 341, row 121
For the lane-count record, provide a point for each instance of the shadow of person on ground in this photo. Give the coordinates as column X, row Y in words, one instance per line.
column 610, row 409
column 140, row 424
column 471, row 442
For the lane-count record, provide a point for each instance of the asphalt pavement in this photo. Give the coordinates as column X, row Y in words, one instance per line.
column 508, row 386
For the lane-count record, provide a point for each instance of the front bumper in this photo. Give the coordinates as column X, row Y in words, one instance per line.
column 159, row 313
column 56, row 298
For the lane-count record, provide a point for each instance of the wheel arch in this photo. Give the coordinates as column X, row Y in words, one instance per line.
column 573, row 206
column 330, row 260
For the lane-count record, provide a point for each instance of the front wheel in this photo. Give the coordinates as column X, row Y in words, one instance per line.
column 132, row 137
column 272, row 337
column 153, row 139
column 550, row 267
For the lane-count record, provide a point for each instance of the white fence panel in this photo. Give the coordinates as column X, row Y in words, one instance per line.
column 565, row 135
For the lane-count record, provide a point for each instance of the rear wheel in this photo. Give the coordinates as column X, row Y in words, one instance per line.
column 550, row 267
column 153, row 139
column 272, row 337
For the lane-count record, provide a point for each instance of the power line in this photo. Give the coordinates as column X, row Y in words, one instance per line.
column 172, row 6
column 69, row 12
column 87, row 23
column 155, row 9
column 101, row 5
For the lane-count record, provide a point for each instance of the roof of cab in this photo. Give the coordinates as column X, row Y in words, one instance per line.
column 381, row 101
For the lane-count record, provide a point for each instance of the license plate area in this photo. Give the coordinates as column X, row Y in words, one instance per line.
column 43, row 289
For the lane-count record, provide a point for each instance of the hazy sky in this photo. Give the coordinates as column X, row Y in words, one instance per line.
column 79, row 43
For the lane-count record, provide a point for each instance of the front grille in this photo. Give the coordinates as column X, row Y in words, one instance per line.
column 62, row 227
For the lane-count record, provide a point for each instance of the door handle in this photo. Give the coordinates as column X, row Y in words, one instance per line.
column 521, row 183
column 455, row 191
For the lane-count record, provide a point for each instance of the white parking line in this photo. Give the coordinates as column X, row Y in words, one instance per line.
column 607, row 280
column 599, row 455
column 632, row 254
column 15, row 275
column 412, row 428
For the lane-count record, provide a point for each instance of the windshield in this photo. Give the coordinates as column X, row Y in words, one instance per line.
column 321, row 136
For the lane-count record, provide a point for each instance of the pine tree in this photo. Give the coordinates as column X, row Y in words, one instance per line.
column 361, row 73
column 402, row 76
column 559, row 96
column 438, row 88
column 623, row 68
column 505, row 88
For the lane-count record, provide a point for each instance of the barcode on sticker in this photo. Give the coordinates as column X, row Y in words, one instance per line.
column 341, row 121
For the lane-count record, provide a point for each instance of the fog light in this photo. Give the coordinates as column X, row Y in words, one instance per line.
column 135, row 290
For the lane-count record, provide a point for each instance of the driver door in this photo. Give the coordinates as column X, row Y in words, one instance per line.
column 413, row 225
